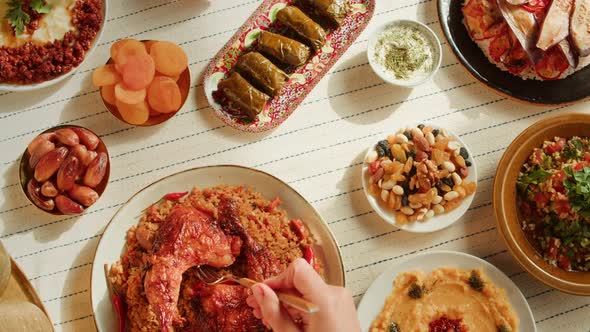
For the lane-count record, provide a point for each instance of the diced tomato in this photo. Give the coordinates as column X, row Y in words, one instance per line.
column 555, row 147
column 298, row 228
column 535, row 5
column 553, row 248
column 273, row 204
column 374, row 166
column 564, row 262
column 553, row 64
column 499, row 45
column 537, row 156
column 541, row 199
column 559, row 176
column 562, row 207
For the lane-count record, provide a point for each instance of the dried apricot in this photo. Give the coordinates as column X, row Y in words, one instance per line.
column 139, row 71
column 123, row 49
column 164, row 95
column 170, row 59
column 129, row 96
column 134, row 114
column 105, row 75
column 148, row 44
column 108, row 94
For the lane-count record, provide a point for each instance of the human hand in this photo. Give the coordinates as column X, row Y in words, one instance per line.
column 337, row 310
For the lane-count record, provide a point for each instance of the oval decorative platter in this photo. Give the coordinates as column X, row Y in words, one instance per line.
column 301, row 81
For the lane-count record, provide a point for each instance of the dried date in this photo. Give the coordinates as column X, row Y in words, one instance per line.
column 79, row 151
column 96, row 170
column 50, row 163
column 68, row 172
column 88, row 138
column 33, row 190
column 39, row 151
column 66, row 206
column 48, row 189
column 39, row 139
column 83, row 195
column 67, row 136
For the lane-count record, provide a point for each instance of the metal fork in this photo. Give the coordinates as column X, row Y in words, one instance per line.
column 211, row 276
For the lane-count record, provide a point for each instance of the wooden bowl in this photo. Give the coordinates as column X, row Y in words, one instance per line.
column 184, row 83
column 505, row 201
column 26, row 172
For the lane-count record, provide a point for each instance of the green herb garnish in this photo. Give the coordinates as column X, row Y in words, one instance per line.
column 18, row 18
column 475, row 281
column 393, row 327
column 578, row 190
column 503, row 328
column 537, row 176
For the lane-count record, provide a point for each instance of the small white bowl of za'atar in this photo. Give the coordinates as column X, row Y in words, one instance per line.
column 421, row 178
column 404, row 52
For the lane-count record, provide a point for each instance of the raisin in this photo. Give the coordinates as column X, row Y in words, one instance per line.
column 475, row 281
column 420, row 126
column 412, row 154
column 380, row 151
column 503, row 328
column 386, row 149
column 435, row 132
column 405, row 201
column 448, row 181
column 468, row 163
column 463, row 152
column 415, row 291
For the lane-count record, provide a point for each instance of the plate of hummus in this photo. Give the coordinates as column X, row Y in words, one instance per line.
column 44, row 41
column 536, row 51
column 444, row 291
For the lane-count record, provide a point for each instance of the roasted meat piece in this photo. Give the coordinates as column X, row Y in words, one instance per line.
column 256, row 260
column 556, row 24
column 185, row 239
column 223, row 308
column 525, row 28
column 580, row 27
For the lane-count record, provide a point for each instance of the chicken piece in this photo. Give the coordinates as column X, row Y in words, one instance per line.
column 187, row 238
column 257, row 261
column 580, row 27
column 556, row 25
column 223, row 308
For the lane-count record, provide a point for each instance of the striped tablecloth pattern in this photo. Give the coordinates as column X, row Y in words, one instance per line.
column 318, row 151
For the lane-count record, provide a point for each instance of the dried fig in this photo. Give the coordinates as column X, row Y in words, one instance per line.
column 96, row 170
column 67, row 206
column 48, row 189
column 67, row 136
column 39, row 151
column 83, row 195
column 33, row 189
column 39, row 139
column 88, row 138
column 50, row 163
column 68, row 172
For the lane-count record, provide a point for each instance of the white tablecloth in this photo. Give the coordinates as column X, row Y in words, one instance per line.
column 318, row 150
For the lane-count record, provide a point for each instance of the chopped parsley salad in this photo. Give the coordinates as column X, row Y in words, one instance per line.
column 554, row 199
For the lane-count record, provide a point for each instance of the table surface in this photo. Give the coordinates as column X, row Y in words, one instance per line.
column 318, row 151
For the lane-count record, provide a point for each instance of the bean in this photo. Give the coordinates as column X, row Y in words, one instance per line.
column 415, row 205
column 371, row 157
column 389, row 185
column 437, row 199
column 384, row 195
column 430, row 138
column 398, row 190
column 408, row 211
column 401, row 138
column 416, row 133
column 430, row 214
column 451, row 195
column 438, row 209
column 449, row 166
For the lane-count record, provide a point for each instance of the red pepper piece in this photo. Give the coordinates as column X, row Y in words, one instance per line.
column 121, row 310
column 308, row 255
column 298, row 228
column 175, row 196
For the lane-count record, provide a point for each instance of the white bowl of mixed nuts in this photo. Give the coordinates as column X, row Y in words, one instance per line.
column 420, row 179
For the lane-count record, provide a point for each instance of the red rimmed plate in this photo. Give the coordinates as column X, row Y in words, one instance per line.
column 302, row 80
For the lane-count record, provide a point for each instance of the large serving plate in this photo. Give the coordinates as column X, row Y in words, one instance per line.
column 573, row 88
column 112, row 242
column 41, row 85
column 374, row 298
column 302, row 81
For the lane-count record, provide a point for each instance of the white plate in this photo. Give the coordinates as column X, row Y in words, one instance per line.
column 41, row 85
column 373, row 300
column 112, row 242
column 435, row 223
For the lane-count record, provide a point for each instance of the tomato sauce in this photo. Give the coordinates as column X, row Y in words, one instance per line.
column 445, row 324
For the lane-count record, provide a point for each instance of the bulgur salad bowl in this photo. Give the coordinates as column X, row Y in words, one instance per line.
column 421, row 178
column 540, row 201
column 202, row 191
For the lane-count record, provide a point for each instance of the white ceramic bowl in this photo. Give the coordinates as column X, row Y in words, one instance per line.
column 41, row 85
column 435, row 223
column 375, row 296
column 389, row 77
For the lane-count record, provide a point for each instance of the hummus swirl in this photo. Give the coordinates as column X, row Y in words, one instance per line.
column 419, row 302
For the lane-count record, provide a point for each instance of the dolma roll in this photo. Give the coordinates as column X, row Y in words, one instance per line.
column 334, row 10
column 262, row 73
column 243, row 95
column 294, row 19
column 285, row 50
